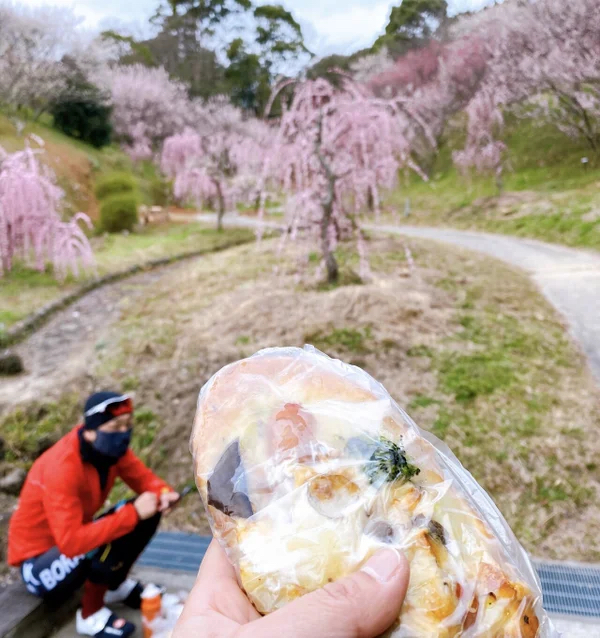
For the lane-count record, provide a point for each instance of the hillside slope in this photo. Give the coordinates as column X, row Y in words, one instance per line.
column 75, row 163
column 549, row 193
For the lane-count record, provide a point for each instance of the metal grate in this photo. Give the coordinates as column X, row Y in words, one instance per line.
column 568, row 588
column 176, row 551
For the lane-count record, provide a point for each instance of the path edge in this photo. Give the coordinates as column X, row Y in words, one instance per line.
column 27, row 326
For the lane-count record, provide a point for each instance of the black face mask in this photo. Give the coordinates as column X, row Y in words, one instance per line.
column 112, row 444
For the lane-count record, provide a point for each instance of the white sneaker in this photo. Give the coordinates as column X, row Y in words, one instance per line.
column 103, row 624
column 121, row 593
column 129, row 593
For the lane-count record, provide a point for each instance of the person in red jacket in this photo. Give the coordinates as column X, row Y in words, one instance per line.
column 55, row 536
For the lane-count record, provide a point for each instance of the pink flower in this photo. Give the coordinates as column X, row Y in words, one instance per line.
column 31, row 228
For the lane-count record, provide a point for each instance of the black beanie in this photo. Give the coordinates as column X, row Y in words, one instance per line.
column 94, row 421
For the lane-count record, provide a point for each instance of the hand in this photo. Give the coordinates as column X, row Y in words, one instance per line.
column 166, row 502
column 146, row 505
column 363, row 605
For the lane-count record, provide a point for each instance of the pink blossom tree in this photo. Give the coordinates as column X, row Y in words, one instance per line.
column 148, row 107
column 564, row 66
column 218, row 163
column 41, row 49
column 431, row 84
column 483, row 150
column 31, row 228
column 372, row 65
column 33, row 42
column 542, row 62
column 336, row 150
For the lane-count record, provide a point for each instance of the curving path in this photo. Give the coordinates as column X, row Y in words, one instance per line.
column 59, row 353
column 569, row 278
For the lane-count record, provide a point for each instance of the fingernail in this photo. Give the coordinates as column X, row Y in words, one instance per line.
column 383, row 565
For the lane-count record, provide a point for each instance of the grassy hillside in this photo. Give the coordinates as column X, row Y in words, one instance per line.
column 548, row 193
column 465, row 343
column 77, row 165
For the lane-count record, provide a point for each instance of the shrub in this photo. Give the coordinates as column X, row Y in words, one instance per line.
column 83, row 119
column 159, row 191
column 119, row 212
column 115, row 184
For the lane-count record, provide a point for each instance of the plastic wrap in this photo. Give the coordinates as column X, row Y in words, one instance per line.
column 307, row 467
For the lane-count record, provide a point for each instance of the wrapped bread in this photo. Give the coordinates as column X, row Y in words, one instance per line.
column 307, row 467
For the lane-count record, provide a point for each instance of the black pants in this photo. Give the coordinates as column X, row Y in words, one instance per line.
column 55, row 577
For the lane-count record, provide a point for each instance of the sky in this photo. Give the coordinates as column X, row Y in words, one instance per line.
column 330, row 26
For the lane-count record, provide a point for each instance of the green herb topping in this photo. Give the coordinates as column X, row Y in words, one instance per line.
column 389, row 463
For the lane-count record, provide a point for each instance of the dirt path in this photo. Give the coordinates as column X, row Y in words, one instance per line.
column 569, row 278
column 57, row 355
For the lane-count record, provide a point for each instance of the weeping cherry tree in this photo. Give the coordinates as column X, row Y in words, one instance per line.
column 31, row 227
column 336, row 151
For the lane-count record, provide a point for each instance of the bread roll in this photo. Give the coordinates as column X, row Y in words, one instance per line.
column 307, row 467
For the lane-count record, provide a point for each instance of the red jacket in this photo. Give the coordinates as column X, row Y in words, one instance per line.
column 61, row 496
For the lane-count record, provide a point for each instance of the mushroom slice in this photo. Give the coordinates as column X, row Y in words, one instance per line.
column 226, row 485
column 381, row 530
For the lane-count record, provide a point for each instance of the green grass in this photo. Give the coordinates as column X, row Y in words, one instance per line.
column 27, row 431
column 572, row 230
column 547, row 193
column 11, row 141
column 419, row 351
column 145, row 427
column 23, row 290
column 345, row 339
column 422, row 401
column 501, row 396
column 469, row 376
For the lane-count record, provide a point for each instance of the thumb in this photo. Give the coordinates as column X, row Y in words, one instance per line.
column 362, row 605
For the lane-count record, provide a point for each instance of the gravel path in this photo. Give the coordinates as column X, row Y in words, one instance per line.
column 569, row 278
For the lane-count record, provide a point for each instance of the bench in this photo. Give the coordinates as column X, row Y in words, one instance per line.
column 153, row 215
column 25, row 616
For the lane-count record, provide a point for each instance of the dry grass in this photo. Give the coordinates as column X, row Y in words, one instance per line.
column 466, row 343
